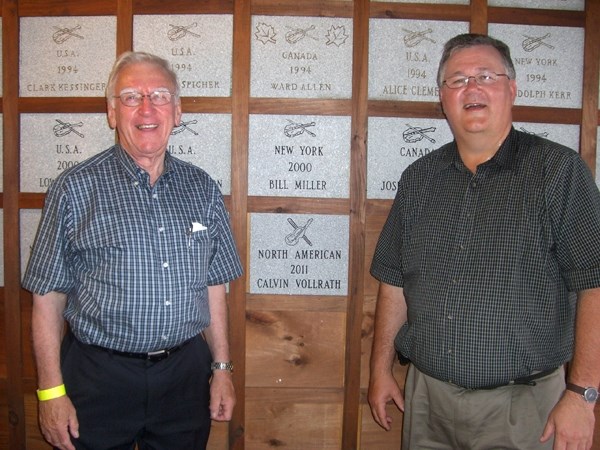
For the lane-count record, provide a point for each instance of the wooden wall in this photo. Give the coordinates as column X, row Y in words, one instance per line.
column 320, row 344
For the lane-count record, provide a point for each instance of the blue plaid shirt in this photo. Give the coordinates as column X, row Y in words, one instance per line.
column 135, row 260
column 489, row 261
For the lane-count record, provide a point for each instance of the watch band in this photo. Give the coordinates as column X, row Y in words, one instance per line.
column 222, row 366
column 589, row 394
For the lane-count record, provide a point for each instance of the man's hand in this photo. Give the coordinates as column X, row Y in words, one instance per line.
column 383, row 389
column 571, row 422
column 222, row 396
column 58, row 422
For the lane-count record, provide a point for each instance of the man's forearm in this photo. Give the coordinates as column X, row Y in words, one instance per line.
column 47, row 326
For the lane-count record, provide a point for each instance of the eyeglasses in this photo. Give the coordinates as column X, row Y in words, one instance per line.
column 157, row 98
column 482, row 79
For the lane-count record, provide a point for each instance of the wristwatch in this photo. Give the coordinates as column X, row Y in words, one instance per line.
column 589, row 394
column 222, row 366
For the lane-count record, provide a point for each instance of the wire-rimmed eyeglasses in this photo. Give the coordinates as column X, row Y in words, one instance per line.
column 133, row 98
column 482, row 79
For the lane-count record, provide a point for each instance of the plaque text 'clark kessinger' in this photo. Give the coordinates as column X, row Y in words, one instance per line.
column 66, row 56
column 302, row 254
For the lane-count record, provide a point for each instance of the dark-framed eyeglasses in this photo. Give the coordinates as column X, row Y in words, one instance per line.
column 133, row 98
column 482, row 79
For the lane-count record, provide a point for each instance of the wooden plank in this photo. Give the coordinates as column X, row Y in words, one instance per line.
column 358, row 189
column 299, row 349
column 479, row 17
column 294, row 418
column 67, row 8
column 545, row 17
column 124, row 26
column 183, row 7
column 300, row 106
column 295, row 205
column 591, row 73
column 419, row 11
column 62, row 105
column 311, row 8
column 12, row 260
column 238, row 210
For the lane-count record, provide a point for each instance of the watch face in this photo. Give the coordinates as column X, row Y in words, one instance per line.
column 590, row 395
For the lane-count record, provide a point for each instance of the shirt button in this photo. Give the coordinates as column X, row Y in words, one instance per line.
column 449, row 317
column 461, row 247
column 154, row 196
column 161, row 229
column 163, row 337
column 474, row 184
column 136, row 183
column 165, row 265
column 168, row 302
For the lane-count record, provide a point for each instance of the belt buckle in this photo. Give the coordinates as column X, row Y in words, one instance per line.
column 158, row 355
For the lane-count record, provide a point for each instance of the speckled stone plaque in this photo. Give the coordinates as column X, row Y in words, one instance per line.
column 205, row 141
column 302, row 254
column 574, row 5
column 52, row 143
column 567, row 135
column 301, row 57
column 199, row 48
column 299, row 156
column 404, row 57
column 29, row 219
column 548, row 61
column 394, row 144
column 66, row 56
column 1, row 71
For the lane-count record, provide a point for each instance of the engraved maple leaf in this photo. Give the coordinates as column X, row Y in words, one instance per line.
column 336, row 35
column 265, row 33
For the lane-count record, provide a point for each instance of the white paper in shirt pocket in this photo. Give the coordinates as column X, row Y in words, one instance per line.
column 197, row 226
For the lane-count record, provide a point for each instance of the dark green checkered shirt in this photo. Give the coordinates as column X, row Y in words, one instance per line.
column 489, row 262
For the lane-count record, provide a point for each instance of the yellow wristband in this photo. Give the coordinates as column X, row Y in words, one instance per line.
column 49, row 394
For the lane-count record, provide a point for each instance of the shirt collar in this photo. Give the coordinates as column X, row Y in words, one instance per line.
column 136, row 172
column 504, row 157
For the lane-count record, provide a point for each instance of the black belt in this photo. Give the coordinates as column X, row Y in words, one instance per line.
column 527, row 381
column 155, row 356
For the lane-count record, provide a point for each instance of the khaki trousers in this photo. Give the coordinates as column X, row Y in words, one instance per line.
column 440, row 415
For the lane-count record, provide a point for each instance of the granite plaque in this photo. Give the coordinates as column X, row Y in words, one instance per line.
column 1, row 71
column 567, row 135
column 574, row 5
column 199, row 48
column 299, row 156
column 394, row 144
column 205, row 141
column 30, row 219
column 548, row 61
column 52, row 143
column 301, row 57
column 66, row 56
column 404, row 57
column 301, row 254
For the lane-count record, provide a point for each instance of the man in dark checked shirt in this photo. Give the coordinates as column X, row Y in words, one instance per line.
column 489, row 270
column 134, row 250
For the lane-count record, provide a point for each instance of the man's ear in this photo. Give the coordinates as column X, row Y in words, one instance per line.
column 110, row 111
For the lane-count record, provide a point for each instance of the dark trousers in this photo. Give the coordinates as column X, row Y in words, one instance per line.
column 122, row 402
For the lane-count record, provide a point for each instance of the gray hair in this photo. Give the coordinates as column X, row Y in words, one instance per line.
column 127, row 59
column 463, row 41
